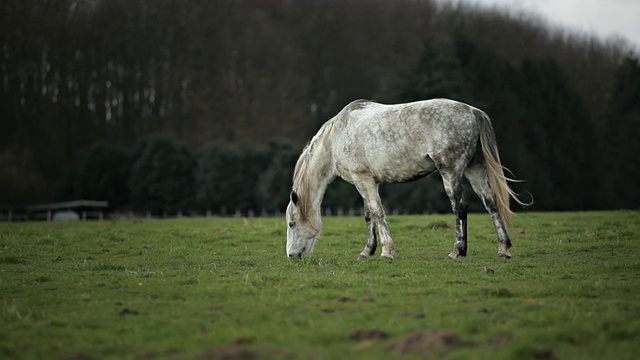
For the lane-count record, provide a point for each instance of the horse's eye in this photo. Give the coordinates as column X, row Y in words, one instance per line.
column 292, row 224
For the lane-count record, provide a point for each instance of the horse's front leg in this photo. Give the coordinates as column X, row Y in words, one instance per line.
column 375, row 218
column 388, row 248
column 372, row 238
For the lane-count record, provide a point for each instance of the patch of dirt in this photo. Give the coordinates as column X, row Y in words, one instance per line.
column 126, row 311
column 166, row 354
column 498, row 293
column 231, row 352
column 414, row 315
column 368, row 334
column 500, row 341
column 545, row 354
column 503, row 292
column 437, row 225
column 345, row 299
column 80, row 356
column 427, row 343
column 245, row 340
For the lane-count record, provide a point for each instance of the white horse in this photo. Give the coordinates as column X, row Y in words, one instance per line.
column 368, row 143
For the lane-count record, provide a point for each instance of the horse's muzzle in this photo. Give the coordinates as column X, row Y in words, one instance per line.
column 297, row 255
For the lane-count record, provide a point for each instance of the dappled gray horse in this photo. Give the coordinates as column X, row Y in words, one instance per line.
column 369, row 143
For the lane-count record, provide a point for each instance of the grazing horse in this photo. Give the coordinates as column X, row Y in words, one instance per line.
column 368, row 143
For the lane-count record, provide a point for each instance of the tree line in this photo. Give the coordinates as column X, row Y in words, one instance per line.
column 86, row 84
column 162, row 176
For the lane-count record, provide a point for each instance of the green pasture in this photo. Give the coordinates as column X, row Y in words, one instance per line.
column 223, row 288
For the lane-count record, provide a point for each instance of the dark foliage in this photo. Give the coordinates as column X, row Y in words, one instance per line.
column 76, row 73
column 99, row 172
column 161, row 179
column 274, row 185
column 621, row 137
column 227, row 177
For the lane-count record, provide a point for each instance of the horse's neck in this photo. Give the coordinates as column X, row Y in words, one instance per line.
column 313, row 173
column 320, row 174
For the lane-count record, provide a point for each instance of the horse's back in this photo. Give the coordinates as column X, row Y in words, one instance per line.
column 400, row 142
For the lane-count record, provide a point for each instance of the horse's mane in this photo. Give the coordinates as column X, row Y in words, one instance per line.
column 302, row 173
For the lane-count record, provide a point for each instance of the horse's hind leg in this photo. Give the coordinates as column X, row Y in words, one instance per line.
column 477, row 176
column 452, row 181
column 375, row 218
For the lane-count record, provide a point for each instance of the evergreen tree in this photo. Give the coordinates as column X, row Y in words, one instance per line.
column 622, row 169
column 227, row 177
column 161, row 179
column 543, row 129
column 437, row 74
column 561, row 137
column 274, row 183
column 99, row 172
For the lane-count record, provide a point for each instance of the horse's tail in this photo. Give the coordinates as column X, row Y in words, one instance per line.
column 497, row 180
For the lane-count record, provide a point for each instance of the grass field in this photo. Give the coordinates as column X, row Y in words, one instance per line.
column 223, row 288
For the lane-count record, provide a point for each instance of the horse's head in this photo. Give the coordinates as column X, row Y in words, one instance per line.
column 302, row 228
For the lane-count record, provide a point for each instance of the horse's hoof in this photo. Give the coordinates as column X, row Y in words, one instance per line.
column 505, row 254
column 387, row 256
column 456, row 254
column 362, row 257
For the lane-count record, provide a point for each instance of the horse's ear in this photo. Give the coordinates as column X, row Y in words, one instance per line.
column 294, row 198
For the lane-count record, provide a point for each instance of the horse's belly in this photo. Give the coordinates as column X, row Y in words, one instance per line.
column 391, row 169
